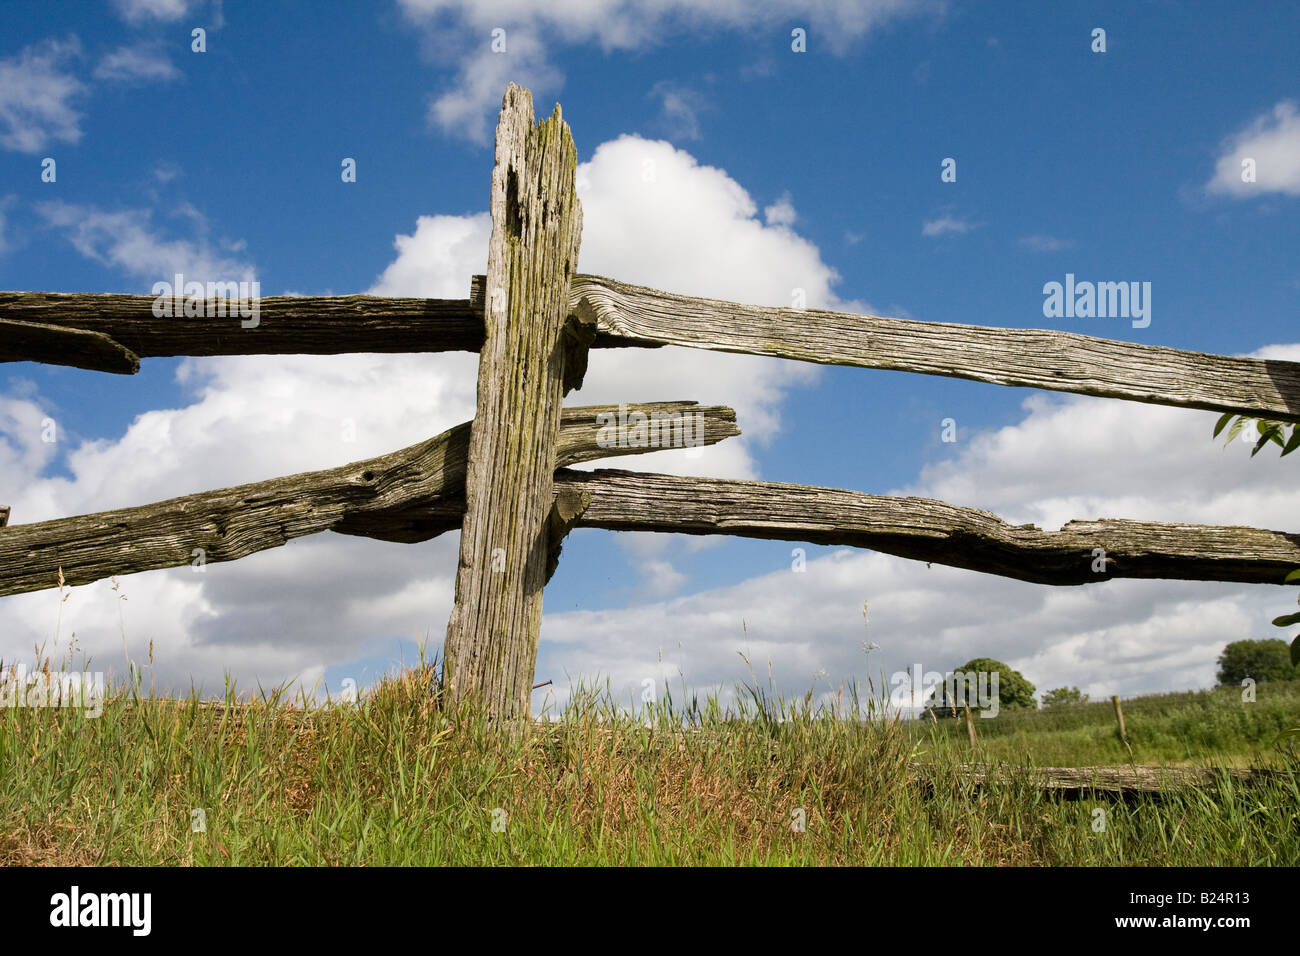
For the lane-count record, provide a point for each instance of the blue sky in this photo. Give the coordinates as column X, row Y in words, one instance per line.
column 777, row 169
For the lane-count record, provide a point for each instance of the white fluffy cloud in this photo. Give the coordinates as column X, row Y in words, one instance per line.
column 438, row 259
column 21, row 450
column 946, row 224
column 630, row 24
column 652, row 215
column 129, row 240
column 679, row 107
column 37, row 93
column 532, row 30
column 143, row 11
column 781, row 212
column 466, row 109
column 40, row 92
column 142, row 62
column 649, row 208
column 1272, row 141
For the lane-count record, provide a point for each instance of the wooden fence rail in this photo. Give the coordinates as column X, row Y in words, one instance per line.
column 1127, row 779
column 505, row 478
column 363, row 498
column 624, row 316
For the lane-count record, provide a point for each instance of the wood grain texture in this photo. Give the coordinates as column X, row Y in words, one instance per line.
column 362, row 498
column 632, row 316
column 287, row 325
column 934, row 531
column 920, row 529
column 491, row 645
column 1035, row 358
column 418, row 493
column 57, row 345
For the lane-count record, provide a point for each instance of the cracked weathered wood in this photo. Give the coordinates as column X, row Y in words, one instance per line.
column 491, row 646
column 1122, row 779
column 418, row 493
column 569, row 505
column 1035, row 358
column 287, row 325
column 935, row 531
column 57, row 345
column 627, row 315
column 921, row 529
column 359, row 498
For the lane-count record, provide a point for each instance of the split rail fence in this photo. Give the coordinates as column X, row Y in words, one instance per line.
column 506, row 483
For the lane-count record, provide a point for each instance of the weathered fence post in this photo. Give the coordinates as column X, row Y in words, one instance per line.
column 508, row 533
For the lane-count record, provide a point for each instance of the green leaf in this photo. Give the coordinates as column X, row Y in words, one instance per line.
column 1286, row 620
column 1293, row 577
column 1223, row 420
column 1263, row 440
column 1294, row 442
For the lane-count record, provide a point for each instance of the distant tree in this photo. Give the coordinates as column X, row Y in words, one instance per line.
column 1260, row 660
column 1014, row 691
column 1063, row 696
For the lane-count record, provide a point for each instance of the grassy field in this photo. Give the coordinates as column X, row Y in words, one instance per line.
column 1198, row 728
column 395, row 781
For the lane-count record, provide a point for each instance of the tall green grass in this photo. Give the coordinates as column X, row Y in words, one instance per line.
column 397, row 780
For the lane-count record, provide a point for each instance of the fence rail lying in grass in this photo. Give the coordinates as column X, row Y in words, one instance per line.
column 505, row 482
column 1128, row 779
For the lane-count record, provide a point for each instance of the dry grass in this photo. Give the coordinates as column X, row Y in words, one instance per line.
column 395, row 780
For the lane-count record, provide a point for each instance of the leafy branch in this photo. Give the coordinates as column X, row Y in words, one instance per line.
column 1275, row 432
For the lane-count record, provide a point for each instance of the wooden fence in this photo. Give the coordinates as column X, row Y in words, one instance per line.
column 505, row 481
